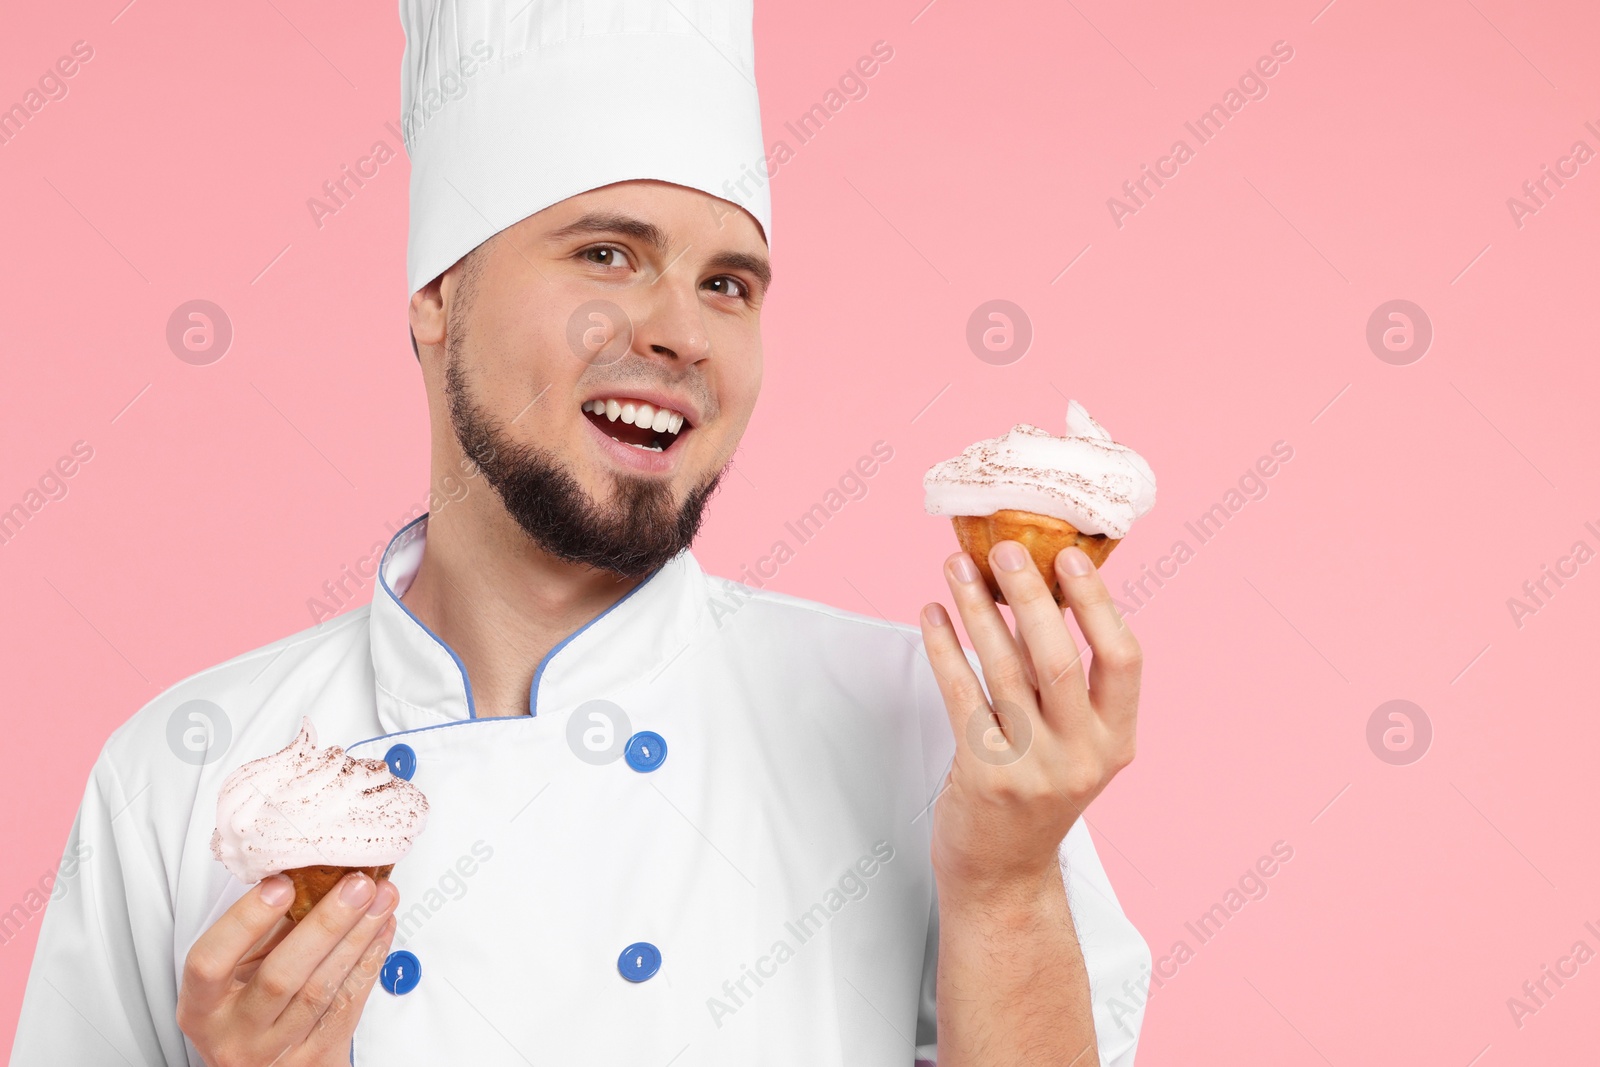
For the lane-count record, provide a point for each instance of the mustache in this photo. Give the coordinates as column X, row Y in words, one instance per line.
column 616, row 378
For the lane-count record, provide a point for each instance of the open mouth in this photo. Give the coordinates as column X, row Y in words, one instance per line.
column 633, row 422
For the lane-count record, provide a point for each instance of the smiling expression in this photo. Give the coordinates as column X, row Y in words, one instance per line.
column 613, row 340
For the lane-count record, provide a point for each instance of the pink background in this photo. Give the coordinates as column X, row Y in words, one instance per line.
column 1227, row 314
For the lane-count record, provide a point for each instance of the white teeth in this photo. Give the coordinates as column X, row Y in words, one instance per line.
column 646, row 448
column 638, row 413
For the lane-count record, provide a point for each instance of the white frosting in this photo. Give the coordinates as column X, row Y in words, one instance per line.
column 1084, row 478
column 306, row 806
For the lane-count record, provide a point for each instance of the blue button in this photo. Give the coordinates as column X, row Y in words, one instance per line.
column 646, row 749
column 639, row 962
column 401, row 973
column 402, row 761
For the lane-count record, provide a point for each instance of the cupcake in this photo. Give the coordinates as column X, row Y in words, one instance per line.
column 1044, row 491
column 314, row 814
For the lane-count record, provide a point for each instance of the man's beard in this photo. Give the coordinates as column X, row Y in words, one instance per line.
column 631, row 537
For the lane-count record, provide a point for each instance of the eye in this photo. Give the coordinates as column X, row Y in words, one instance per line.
column 729, row 286
column 606, row 256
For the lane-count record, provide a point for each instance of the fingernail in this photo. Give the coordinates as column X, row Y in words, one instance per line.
column 963, row 568
column 936, row 616
column 277, row 891
column 1009, row 556
column 356, row 891
column 1075, row 562
column 384, row 898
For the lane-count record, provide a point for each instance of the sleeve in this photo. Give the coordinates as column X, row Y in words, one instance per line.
column 1114, row 953
column 103, row 987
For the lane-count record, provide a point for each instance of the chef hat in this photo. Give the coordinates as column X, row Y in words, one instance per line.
column 509, row 106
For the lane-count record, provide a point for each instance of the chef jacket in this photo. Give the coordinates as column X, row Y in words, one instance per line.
column 707, row 842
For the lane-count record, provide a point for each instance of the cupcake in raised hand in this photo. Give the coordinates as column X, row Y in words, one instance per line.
column 315, row 814
column 1044, row 491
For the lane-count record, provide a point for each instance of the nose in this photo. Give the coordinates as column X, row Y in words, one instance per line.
column 670, row 322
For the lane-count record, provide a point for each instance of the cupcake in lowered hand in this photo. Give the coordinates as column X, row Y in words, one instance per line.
column 315, row 814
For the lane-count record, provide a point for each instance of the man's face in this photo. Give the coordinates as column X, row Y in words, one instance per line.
column 602, row 360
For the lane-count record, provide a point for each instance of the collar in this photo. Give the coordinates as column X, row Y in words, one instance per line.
column 421, row 681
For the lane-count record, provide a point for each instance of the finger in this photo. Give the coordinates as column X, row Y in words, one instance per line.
column 318, row 995
column 208, row 971
column 1118, row 660
column 991, row 638
column 287, row 968
column 333, row 1028
column 958, row 683
column 1041, row 627
column 262, row 948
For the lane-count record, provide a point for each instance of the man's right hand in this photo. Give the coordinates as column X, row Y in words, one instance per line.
column 259, row 989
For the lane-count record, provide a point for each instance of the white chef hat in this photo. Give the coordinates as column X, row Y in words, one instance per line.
column 509, row 106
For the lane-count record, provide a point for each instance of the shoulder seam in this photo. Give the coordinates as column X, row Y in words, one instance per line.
column 813, row 607
column 348, row 619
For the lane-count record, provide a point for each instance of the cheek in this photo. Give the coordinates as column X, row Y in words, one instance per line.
column 519, row 356
column 744, row 383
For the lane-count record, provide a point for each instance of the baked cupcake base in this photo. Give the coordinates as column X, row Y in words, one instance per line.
column 1042, row 535
column 311, row 884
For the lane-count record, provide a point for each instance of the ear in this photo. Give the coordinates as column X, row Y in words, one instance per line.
column 427, row 314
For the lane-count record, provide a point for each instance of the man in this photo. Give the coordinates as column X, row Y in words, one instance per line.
column 657, row 834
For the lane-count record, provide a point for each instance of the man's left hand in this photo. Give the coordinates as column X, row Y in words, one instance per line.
column 1026, row 767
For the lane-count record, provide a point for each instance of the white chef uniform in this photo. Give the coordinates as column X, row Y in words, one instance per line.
column 708, row 841
column 739, row 875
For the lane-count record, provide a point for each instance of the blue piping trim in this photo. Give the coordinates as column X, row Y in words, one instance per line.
column 435, row 726
column 472, row 708
column 538, row 673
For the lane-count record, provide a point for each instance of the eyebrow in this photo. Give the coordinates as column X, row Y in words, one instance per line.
column 610, row 222
column 597, row 222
